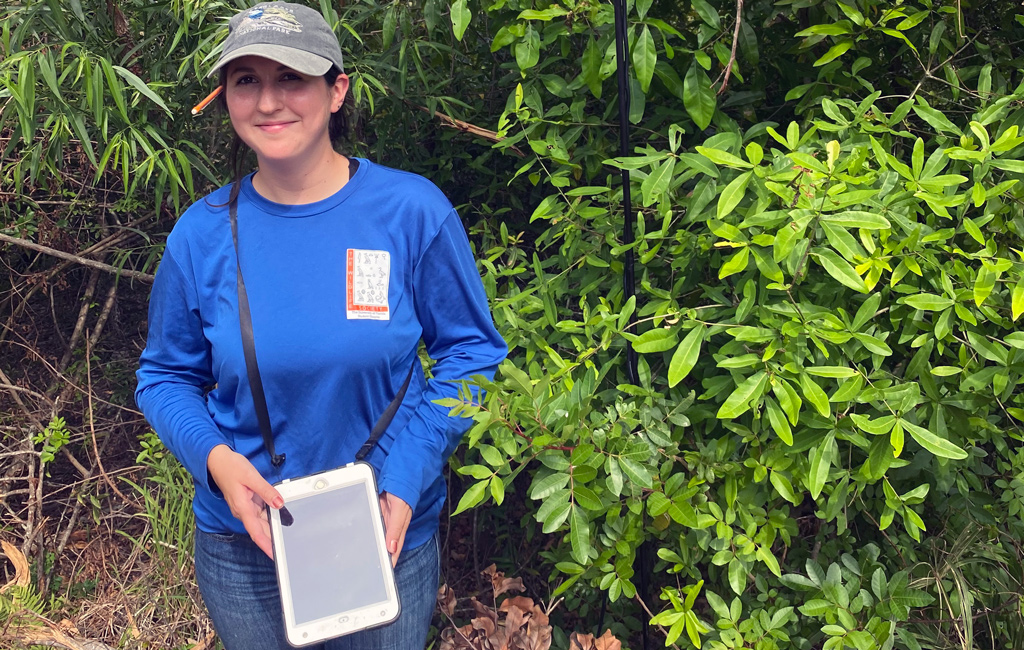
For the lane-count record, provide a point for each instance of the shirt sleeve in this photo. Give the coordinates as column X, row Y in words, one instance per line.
column 175, row 370
column 460, row 336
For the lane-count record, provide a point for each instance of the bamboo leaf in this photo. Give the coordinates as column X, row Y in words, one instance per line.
column 138, row 84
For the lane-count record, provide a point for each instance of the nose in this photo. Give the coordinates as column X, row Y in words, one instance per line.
column 270, row 98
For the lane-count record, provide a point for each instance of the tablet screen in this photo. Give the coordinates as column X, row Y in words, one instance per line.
column 332, row 558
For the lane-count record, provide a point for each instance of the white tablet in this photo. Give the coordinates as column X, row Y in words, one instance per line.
column 333, row 567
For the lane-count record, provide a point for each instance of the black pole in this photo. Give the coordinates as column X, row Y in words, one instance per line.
column 628, row 277
column 622, row 72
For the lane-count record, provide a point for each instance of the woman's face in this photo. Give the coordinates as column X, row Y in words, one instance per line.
column 280, row 113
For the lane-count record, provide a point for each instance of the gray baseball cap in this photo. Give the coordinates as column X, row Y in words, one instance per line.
column 289, row 33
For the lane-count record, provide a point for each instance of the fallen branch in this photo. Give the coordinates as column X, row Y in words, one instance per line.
column 24, row 243
column 735, row 42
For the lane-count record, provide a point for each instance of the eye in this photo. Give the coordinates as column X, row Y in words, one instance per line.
column 245, row 79
column 291, row 76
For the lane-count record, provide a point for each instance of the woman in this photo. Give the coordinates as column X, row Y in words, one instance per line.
column 348, row 265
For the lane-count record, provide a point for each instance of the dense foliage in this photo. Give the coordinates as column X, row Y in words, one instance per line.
column 823, row 446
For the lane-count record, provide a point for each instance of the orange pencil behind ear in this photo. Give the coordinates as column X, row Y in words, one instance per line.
column 198, row 108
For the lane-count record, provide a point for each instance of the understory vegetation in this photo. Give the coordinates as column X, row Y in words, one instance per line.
column 821, row 444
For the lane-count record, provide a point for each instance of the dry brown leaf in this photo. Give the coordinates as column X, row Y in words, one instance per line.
column 581, row 641
column 483, row 610
column 607, row 642
column 22, row 573
column 520, row 602
column 500, row 584
column 446, row 599
column 540, row 617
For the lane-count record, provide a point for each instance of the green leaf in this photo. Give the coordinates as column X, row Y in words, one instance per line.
column 927, row 302
column 587, row 498
column 935, row 118
column 720, row 157
column 815, row 395
column 655, row 185
column 644, row 58
column 686, row 355
column 707, row 13
column 656, row 340
column 1017, row 302
column 140, row 85
column 527, row 51
column 735, row 264
column 839, row 269
column 548, row 485
column 834, row 52
column 739, row 401
column 732, row 194
column 764, row 553
column 874, row 345
column 591, row 67
column 698, row 96
column 821, row 462
column 636, row 472
column 789, row 400
column 858, row 219
column 472, row 496
column 933, row 443
column 737, row 576
column 779, row 422
column 866, row 311
column 461, row 16
column 579, row 535
column 784, row 488
column 984, row 283
column 832, row 372
column 553, row 512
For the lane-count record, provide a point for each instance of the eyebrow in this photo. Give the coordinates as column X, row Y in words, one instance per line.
column 245, row 68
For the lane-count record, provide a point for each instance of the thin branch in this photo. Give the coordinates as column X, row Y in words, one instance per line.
column 24, row 243
column 735, row 42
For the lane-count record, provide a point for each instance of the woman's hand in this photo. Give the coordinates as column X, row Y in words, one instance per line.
column 246, row 493
column 397, row 515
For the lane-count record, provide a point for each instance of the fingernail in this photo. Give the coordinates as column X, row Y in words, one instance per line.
column 393, row 546
column 278, row 502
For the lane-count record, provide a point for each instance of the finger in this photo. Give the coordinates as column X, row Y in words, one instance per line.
column 397, row 525
column 264, row 490
column 259, row 532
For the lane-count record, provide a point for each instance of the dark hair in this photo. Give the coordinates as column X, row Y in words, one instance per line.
column 337, row 130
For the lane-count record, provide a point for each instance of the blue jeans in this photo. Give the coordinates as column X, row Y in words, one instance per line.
column 239, row 586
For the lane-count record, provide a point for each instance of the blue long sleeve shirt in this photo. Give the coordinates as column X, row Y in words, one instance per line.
column 341, row 293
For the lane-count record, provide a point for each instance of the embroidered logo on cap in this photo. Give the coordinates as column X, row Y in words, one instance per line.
column 367, row 278
column 273, row 18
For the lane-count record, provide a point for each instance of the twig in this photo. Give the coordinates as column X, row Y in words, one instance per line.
column 24, row 243
column 735, row 42
column 92, row 425
column 90, row 290
column 650, row 614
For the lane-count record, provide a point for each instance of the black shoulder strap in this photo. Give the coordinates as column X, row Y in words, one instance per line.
column 252, row 369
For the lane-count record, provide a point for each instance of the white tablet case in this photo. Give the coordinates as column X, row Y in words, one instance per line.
column 333, row 569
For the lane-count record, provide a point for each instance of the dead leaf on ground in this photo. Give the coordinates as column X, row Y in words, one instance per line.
column 22, row 574
column 607, row 641
column 500, row 584
column 446, row 599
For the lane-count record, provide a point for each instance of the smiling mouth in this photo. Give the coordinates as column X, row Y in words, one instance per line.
column 273, row 126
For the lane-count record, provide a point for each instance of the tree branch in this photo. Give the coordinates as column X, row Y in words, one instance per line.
column 24, row 243
column 735, row 42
